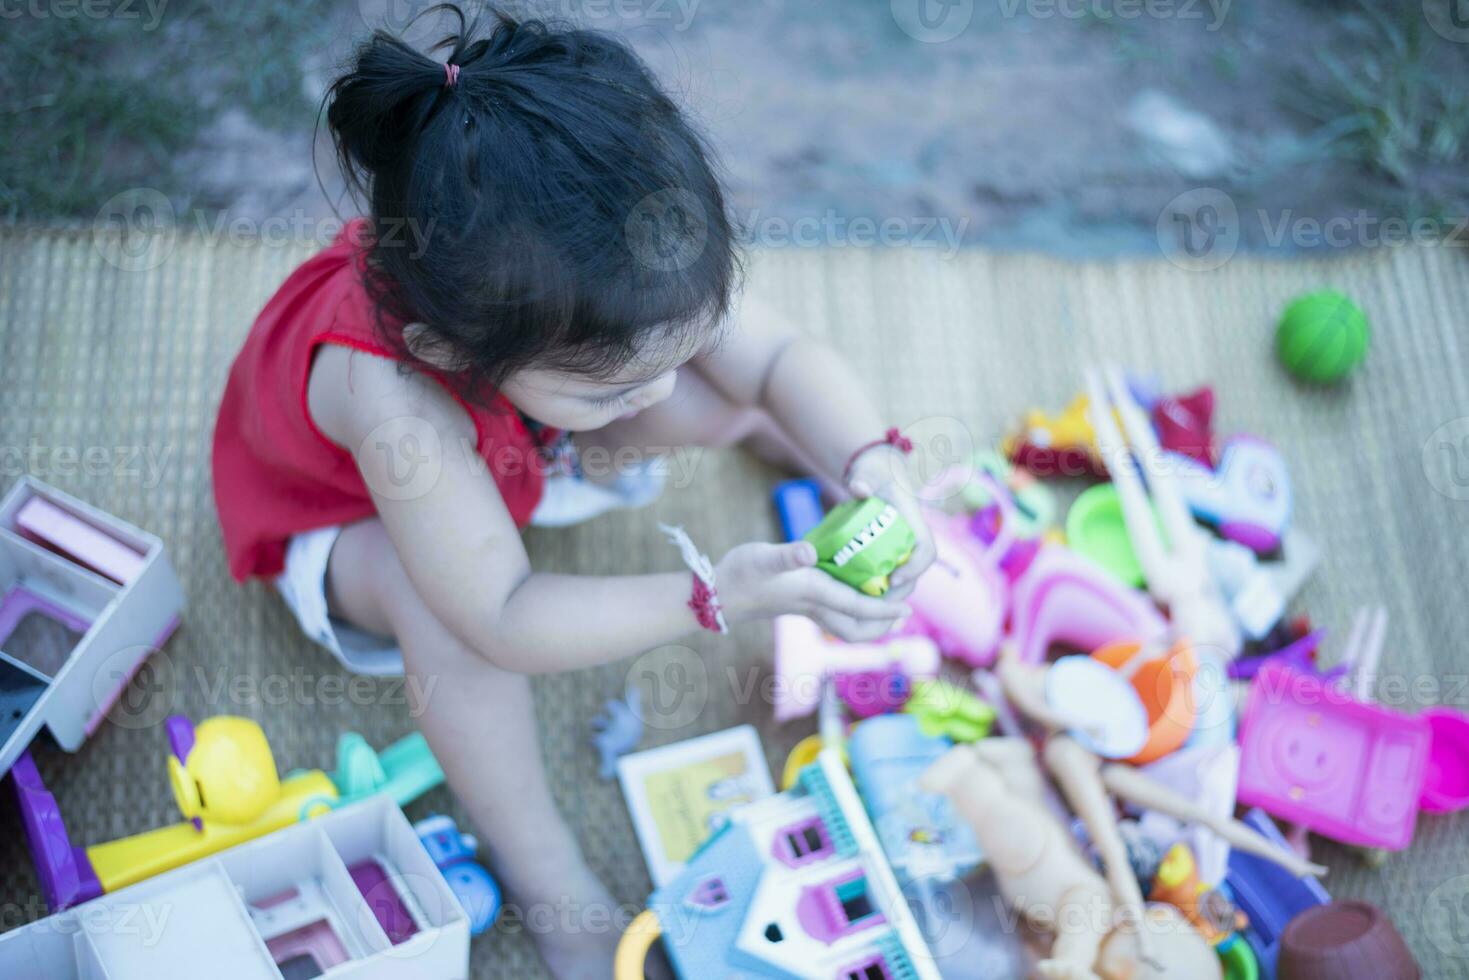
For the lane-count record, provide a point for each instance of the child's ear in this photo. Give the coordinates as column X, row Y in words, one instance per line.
column 427, row 347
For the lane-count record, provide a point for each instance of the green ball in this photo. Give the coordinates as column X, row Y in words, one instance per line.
column 1322, row 337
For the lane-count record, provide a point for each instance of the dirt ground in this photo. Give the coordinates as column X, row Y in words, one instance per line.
column 1079, row 127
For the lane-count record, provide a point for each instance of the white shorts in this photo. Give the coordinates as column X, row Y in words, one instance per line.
column 565, row 500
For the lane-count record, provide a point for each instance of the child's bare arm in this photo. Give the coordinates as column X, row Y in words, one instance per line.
column 806, row 386
column 464, row 555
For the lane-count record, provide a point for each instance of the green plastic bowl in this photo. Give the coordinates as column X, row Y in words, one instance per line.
column 1096, row 528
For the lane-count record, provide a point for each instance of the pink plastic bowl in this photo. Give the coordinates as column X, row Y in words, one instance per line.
column 1446, row 782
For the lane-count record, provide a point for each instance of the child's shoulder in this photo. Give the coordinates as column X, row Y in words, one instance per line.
column 351, row 393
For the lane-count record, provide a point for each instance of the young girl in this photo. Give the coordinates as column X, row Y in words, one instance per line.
column 545, row 276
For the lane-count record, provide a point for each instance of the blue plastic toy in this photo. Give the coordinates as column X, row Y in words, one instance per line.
column 918, row 830
column 617, row 730
column 454, row 852
column 1268, row 894
column 798, row 502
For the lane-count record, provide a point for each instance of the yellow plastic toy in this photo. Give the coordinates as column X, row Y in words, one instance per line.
column 1064, row 444
column 226, row 785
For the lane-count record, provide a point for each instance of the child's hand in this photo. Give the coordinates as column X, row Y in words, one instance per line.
column 758, row 581
column 874, row 475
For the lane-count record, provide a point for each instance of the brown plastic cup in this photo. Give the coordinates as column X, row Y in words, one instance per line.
column 1344, row 941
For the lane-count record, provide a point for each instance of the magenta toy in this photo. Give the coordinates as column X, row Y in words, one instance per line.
column 1064, row 598
column 960, row 601
column 875, row 692
column 1446, row 785
column 805, row 657
column 1312, row 754
column 1185, row 423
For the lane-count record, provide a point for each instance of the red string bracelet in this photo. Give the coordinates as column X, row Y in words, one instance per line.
column 705, row 598
column 705, row 604
column 892, row 438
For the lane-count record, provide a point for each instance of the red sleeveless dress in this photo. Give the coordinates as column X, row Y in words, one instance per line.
column 275, row 473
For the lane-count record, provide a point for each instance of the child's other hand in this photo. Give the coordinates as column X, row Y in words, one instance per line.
column 759, row 581
column 879, row 480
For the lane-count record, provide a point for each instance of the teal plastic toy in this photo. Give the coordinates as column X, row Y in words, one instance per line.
column 404, row 770
column 861, row 543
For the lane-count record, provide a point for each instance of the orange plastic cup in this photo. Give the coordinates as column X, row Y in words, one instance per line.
column 1166, row 687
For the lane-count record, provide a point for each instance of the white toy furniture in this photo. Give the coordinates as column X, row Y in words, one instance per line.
column 351, row 894
column 107, row 582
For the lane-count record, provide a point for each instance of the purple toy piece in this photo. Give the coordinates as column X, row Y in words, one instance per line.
column 180, row 737
column 875, row 692
column 65, row 871
column 372, row 882
column 1299, row 654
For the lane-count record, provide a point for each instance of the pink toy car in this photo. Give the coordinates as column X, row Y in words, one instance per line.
column 1312, row 754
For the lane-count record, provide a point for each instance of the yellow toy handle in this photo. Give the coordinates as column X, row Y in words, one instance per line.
column 632, row 949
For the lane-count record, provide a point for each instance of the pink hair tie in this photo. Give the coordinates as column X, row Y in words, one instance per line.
column 451, row 75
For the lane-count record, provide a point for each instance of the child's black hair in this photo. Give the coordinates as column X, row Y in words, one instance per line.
column 550, row 207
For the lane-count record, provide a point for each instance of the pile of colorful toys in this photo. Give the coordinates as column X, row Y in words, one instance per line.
column 276, row 875
column 1140, row 747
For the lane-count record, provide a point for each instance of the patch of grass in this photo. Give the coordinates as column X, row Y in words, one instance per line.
column 92, row 106
column 1392, row 97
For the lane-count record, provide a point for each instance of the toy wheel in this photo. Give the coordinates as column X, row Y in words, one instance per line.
column 632, row 949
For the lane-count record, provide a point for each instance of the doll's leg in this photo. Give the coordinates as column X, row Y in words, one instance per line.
column 1083, row 919
column 481, row 723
